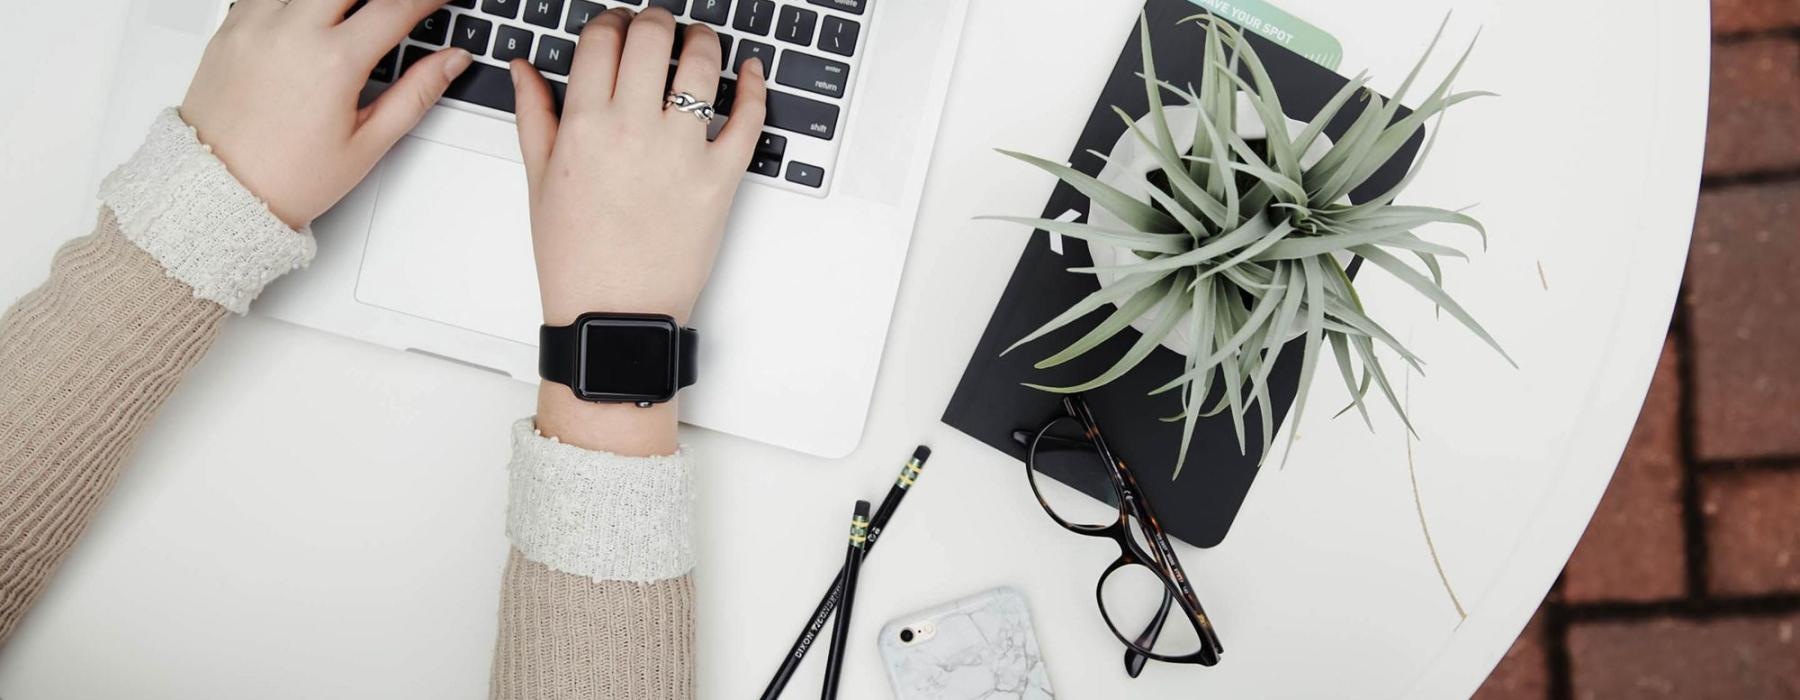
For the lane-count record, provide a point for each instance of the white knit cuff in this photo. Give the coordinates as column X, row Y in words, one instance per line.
column 177, row 201
column 598, row 514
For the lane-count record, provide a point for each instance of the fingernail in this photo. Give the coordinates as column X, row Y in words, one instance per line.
column 756, row 66
column 512, row 69
column 458, row 62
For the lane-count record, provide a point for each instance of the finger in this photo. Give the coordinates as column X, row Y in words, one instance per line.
column 698, row 72
column 596, row 66
column 405, row 102
column 644, row 63
column 744, row 128
column 536, row 112
column 325, row 12
column 382, row 24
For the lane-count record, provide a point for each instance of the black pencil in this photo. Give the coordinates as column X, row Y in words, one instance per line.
column 909, row 474
column 853, row 559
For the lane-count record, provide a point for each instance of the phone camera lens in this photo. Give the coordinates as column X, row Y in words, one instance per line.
column 906, row 636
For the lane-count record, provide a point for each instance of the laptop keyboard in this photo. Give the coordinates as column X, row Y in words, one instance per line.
column 809, row 49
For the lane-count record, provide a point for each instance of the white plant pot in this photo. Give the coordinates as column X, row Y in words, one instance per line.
column 1128, row 166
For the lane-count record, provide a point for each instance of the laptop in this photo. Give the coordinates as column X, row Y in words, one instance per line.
column 432, row 254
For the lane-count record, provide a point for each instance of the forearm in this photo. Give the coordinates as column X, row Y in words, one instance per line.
column 567, row 636
column 85, row 362
column 596, row 601
column 87, row 359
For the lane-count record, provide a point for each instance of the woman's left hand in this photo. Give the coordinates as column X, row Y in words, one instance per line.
column 276, row 96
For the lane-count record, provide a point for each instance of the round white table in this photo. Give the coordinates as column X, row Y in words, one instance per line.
column 316, row 517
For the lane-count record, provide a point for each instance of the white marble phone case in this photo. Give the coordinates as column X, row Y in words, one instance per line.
column 977, row 647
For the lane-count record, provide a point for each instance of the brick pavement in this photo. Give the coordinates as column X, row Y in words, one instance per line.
column 1687, row 582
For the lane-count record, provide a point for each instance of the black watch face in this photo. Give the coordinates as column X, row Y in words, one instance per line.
column 628, row 360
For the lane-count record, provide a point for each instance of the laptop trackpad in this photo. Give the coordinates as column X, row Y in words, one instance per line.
column 450, row 241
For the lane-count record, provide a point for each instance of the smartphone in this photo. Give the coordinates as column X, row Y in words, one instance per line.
column 982, row 646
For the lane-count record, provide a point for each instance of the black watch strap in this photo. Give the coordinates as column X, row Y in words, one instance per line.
column 559, row 353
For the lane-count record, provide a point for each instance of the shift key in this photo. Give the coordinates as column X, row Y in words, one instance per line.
column 813, row 74
column 801, row 115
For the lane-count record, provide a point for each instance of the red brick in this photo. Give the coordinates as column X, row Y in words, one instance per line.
column 1756, row 657
column 1634, row 548
column 1755, row 107
column 1754, row 15
column 1743, row 286
column 1752, row 532
column 1524, row 673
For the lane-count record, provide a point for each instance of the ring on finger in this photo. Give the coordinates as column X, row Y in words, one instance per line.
column 687, row 102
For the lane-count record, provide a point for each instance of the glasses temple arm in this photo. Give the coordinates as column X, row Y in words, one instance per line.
column 1134, row 661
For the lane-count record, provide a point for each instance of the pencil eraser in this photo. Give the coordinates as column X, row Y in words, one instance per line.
column 922, row 454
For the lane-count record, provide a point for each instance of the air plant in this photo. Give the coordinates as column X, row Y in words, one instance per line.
column 1247, row 245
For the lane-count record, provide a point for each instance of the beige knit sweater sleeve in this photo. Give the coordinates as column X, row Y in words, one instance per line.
column 596, row 601
column 85, row 362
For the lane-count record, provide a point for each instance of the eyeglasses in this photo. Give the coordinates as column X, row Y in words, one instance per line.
column 1144, row 596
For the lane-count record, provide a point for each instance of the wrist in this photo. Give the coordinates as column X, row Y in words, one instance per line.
column 562, row 310
column 624, row 429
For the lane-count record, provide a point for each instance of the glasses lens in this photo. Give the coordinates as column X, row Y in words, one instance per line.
column 1071, row 478
column 1133, row 599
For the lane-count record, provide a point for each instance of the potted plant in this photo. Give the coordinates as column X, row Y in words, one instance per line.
column 1222, row 230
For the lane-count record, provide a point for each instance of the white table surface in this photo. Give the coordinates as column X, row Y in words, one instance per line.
column 316, row 517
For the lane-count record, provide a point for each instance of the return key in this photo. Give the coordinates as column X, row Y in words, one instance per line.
column 813, row 74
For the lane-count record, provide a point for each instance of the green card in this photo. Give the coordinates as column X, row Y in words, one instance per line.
column 1280, row 27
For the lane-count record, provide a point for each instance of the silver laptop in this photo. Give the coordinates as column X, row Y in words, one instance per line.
column 432, row 254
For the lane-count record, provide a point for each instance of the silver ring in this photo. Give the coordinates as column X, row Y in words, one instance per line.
column 687, row 102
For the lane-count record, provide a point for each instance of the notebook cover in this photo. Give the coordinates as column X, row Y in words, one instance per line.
column 989, row 403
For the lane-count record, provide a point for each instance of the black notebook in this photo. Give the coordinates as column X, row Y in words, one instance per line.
column 990, row 403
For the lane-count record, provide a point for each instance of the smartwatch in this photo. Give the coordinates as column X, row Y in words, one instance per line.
column 641, row 359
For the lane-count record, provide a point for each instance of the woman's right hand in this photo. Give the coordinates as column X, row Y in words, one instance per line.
column 628, row 199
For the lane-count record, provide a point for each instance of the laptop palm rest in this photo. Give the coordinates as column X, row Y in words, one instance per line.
column 450, row 241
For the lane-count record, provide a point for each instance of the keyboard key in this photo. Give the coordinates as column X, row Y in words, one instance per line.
column 681, row 29
column 680, row 39
column 580, row 13
column 501, row 8
column 482, row 84
column 712, row 11
column 434, row 29
column 796, row 25
column 675, row 7
column 772, row 145
column 386, row 70
column 471, row 34
column 727, row 96
column 512, row 43
column 559, row 93
column 814, row 74
column 802, row 115
column 748, row 49
column 838, row 35
column 544, row 13
column 809, row 175
column 755, row 16
column 413, row 55
column 766, row 165
column 854, row 7
column 554, row 55
column 465, row 4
